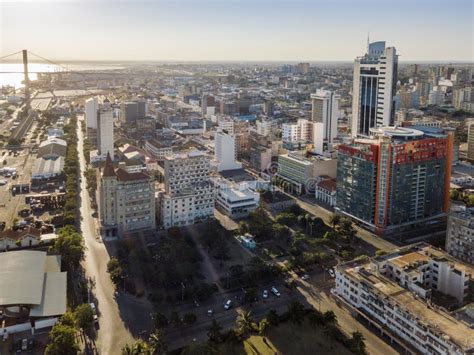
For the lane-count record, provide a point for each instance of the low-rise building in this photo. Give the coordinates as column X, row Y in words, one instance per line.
column 236, row 201
column 326, row 192
column 396, row 293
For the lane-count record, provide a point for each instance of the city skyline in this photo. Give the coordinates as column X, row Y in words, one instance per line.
column 207, row 30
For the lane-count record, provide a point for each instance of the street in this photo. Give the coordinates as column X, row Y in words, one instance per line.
column 113, row 334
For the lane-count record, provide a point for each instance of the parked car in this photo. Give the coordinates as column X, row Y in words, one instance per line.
column 265, row 294
column 275, row 291
column 228, row 304
column 3, row 182
column 210, row 312
column 331, row 273
column 24, row 344
column 305, row 277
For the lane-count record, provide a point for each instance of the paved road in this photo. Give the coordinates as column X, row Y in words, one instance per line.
column 113, row 334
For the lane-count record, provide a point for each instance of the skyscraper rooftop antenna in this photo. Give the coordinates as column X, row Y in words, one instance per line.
column 368, row 41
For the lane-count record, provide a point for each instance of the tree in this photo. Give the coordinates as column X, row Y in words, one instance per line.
column 329, row 317
column 357, row 343
column 263, row 326
column 334, row 220
column 115, row 270
column 346, row 230
column 189, row 318
column 200, row 349
column 272, row 317
column 160, row 320
column 140, row 347
column 214, row 333
column 157, row 342
column 84, row 316
column 62, row 340
column 244, row 322
column 296, row 312
column 70, row 245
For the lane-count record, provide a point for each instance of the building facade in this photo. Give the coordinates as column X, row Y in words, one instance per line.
column 225, row 152
column 460, row 232
column 126, row 201
column 188, row 197
column 236, row 201
column 375, row 78
column 325, row 109
column 397, row 180
column 395, row 293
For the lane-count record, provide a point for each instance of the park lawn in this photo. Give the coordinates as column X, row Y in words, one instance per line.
column 287, row 338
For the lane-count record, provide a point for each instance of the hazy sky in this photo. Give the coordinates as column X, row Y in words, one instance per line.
column 236, row 29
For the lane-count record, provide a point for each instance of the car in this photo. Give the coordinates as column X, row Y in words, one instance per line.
column 228, row 304
column 24, row 344
column 96, row 319
column 210, row 312
column 275, row 291
column 305, row 277
column 331, row 273
column 265, row 294
column 3, row 182
column 94, row 309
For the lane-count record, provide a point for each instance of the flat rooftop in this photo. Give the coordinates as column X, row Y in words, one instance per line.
column 435, row 318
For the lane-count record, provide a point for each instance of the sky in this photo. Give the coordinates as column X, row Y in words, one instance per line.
column 236, row 30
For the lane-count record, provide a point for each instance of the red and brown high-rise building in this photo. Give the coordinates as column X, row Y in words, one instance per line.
column 397, row 180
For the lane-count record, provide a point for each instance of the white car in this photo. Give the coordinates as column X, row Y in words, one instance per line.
column 210, row 312
column 305, row 277
column 331, row 273
column 228, row 304
column 275, row 291
column 3, row 182
column 265, row 294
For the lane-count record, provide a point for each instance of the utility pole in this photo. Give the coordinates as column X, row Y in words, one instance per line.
column 26, row 79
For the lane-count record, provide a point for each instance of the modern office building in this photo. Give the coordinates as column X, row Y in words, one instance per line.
column 397, row 180
column 105, row 130
column 236, row 201
column 224, row 152
column 91, row 107
column 188, row 197
column 397, row 293
column 470, row 139
column 302, row 173
column 132, row 111
column 266, row 126
column 462, row 96
column 375, row 78
column 325, row 109
column 126, row 201
column 460, row 232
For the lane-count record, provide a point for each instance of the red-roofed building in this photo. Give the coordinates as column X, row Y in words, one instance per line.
column 326, row 192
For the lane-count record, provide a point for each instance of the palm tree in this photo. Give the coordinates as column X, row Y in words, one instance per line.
column 358, row 344
column 140, row 347
column 244, row 322
column 157, row 342
column 272, row 317
column 296, row 312
column 214, row 334
column 329, row 318
column 334, row 220
column 263, row 326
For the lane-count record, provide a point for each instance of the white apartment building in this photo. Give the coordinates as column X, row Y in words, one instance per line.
column 325, row 109
column 105, row 130
column 225, row 153
column 436, row 96
column 91, row 107
column 460, row 232
column 375, row 76
column 236, row 201
column 394, row 292
column 189, row 194
column 226, row 124
column 158, row 150
column 266, row 127
column 301, row 131
column 126, row 201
